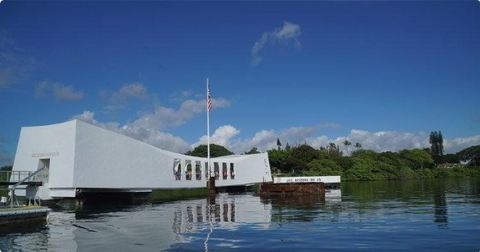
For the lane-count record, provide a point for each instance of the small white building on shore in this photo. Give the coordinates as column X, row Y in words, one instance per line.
column 80, row 156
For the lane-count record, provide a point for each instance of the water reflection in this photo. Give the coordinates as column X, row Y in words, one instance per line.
column 440, row 206
column 371, row 215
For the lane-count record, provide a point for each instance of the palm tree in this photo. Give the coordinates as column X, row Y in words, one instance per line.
column 333, row 150
column 358, row 145
column 347, row 143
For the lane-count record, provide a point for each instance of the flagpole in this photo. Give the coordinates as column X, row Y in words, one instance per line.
column 208, row 134
column 211, row 178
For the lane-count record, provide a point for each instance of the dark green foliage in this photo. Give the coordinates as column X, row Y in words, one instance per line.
column 344, row 162
column 347, row 144
column 367, row 164
column 364, row 153
column 451, row 159
column 470, row 155
column 323, row 167
column 6, row 168
column 253, row 150
column 331, row 150
column 279, row 144
column 278, row 160
column 436, row 149
column 288, row 147
column 305, row 153
column 417, row 158
column 295, row 165
column 215, row 151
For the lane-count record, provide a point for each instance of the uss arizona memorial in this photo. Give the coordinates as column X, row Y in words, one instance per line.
column 75, row 157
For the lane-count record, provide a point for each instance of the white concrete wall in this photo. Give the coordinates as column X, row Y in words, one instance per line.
column 104, row 159
column 249, row 169
column 86, row 156
column 55, row 142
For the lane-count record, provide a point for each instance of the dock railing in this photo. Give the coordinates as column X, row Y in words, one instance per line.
column 28, row 178
column 17, row 176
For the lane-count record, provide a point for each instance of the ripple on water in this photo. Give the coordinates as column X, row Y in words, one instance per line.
column 409, row 215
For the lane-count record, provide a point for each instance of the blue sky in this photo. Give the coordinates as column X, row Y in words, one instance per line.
column 383, row 73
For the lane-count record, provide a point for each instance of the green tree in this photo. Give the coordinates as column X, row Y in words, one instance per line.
column 344, row 162
column 288, row 147
column 365, row 153
column 470, row 155
column 295, row 165
column 347, row 143
column 450, row 158
column 253, row 150
column 279, row 144
column 358, row 145
column 6, row 168
column 304, row 153
column 436, row 149
column 333, row 150
column 278, row 160
column 215, row 151
column 417, row 158
column 323, row 167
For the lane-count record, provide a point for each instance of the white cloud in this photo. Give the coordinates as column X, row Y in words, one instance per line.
column 222, row 136
column 296, row 135
column 394, row 141
column 263, row 140
column 58, row 90
column 458, row 144
column 163, row 117
column 148, row 129
column 182, row 95
column 150, row 135
column 122, row 97
column 150, row 126
column 379, row 141
column 287, row 35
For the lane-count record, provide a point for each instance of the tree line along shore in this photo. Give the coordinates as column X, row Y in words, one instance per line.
column 361, row 164
column 364, row 164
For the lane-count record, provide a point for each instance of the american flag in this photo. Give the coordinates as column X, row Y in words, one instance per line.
column 209, row 100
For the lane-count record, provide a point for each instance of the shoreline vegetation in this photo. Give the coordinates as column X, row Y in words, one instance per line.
column 363, row 164
column 368, row 165
column 360, row 165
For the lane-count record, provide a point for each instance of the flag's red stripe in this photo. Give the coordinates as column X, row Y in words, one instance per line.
column 209, row 102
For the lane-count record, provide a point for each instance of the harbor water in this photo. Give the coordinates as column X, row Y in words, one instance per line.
column 425, row 215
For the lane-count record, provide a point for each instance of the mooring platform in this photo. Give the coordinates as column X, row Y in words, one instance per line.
column 293, row 188
column 22, row 214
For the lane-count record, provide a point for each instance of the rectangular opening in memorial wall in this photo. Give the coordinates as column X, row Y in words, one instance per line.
column 177, row 169
column 224, row 171
column 232, row 171
column 188, row 169
column 216, row 170
column 198, row 170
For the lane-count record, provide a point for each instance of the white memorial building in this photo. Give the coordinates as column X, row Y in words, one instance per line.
column 77, row 156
